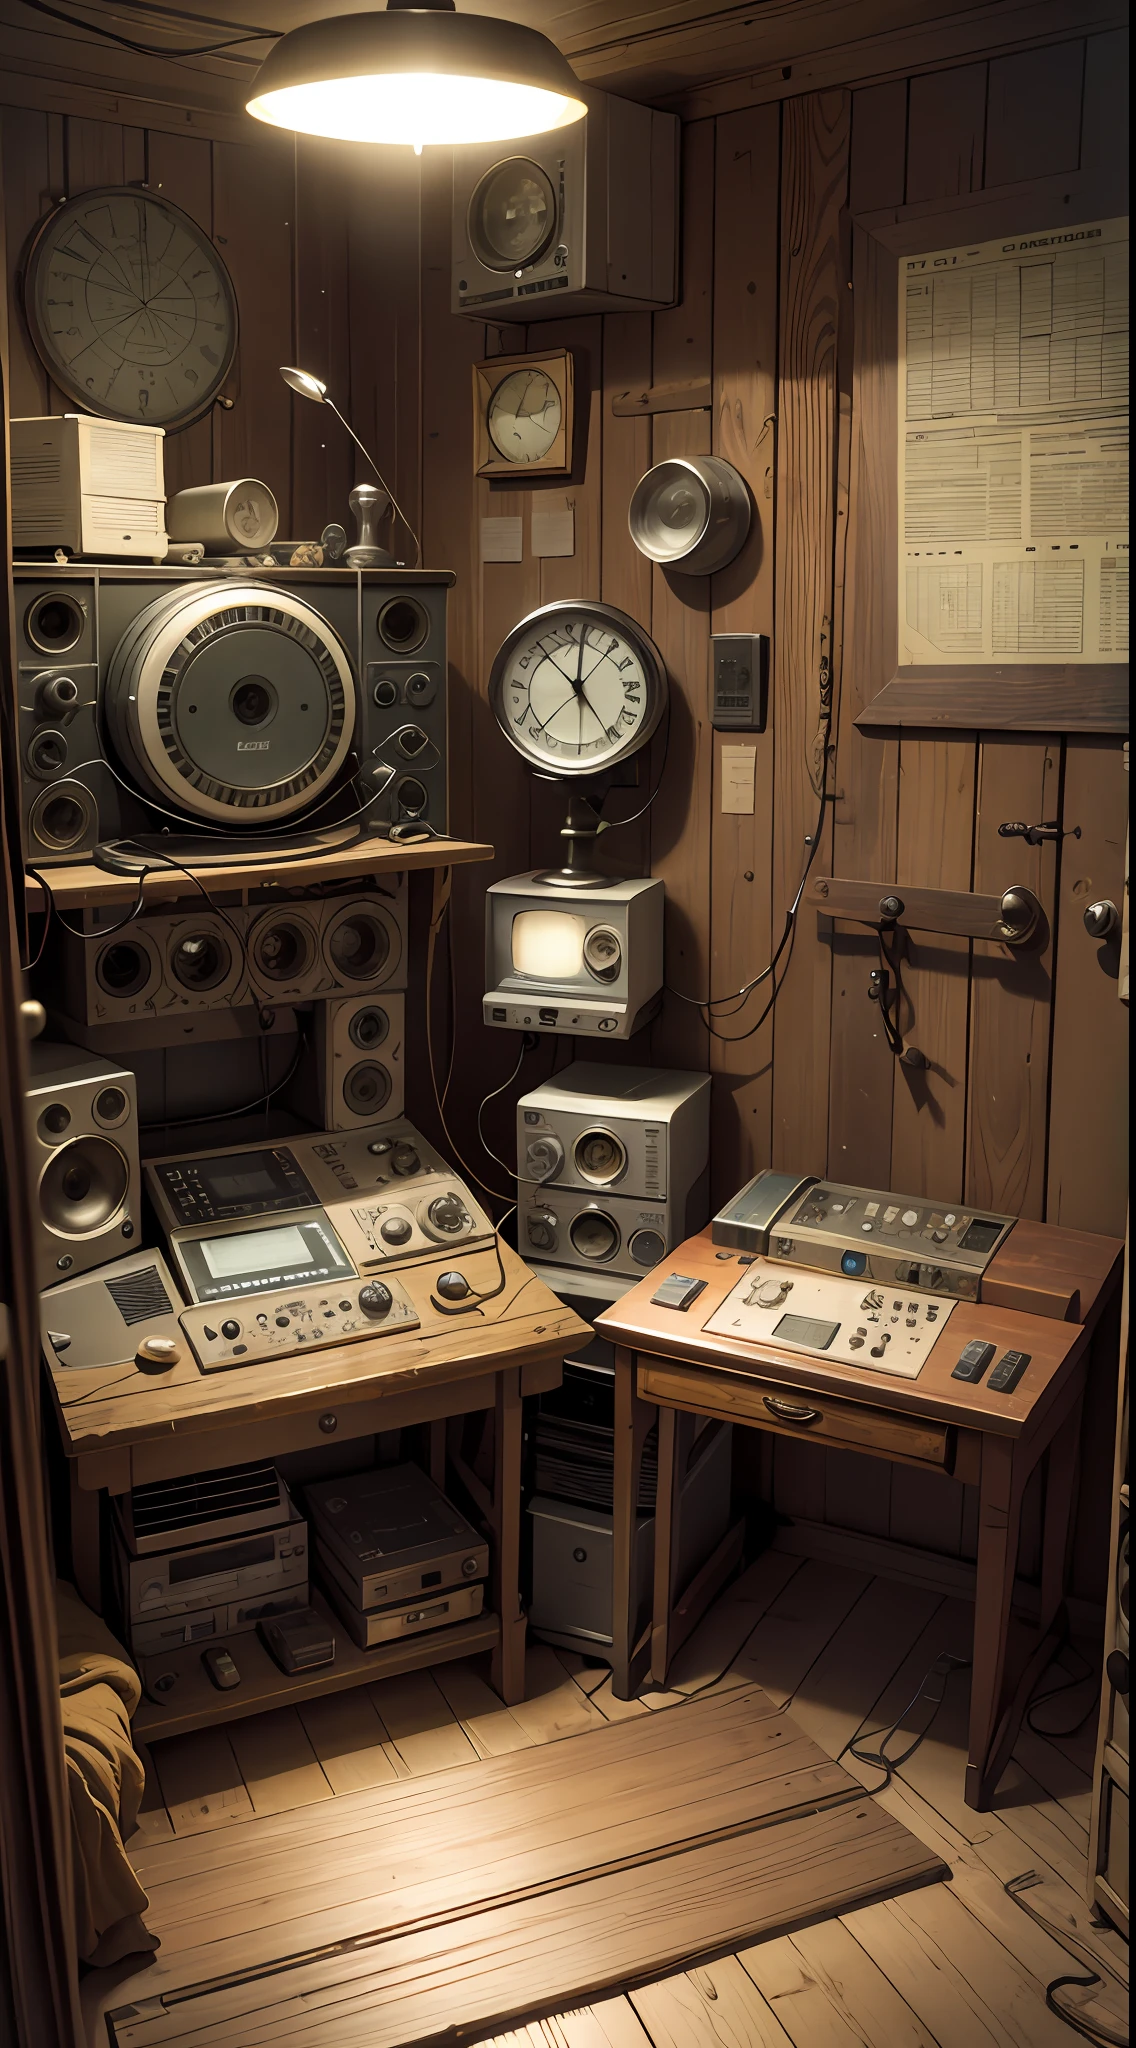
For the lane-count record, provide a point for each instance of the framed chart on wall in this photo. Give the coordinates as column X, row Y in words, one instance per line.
column 1011, row 467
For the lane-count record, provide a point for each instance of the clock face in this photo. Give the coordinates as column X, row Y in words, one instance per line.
column 524, row 416
column 131, row 307
column 577, row 687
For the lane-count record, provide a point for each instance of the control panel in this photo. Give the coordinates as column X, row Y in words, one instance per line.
column 340, row 1163
column 262, row 1180
column 437, row 1210
column 304, row 1319
column 877, row 1327
column 864, row 1233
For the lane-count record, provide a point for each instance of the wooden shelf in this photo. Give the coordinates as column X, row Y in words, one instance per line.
column 196, row 1703
column 84, row 886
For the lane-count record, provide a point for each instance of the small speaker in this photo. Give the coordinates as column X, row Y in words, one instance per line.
column 193, row 960
column 352, row 1074
column 82, row 1117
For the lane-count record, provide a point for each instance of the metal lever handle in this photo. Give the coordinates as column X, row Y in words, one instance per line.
column 786, row 1412
column 1035, row 835
column 1021, row 915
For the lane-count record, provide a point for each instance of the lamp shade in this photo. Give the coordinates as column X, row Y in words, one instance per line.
column 416, row 75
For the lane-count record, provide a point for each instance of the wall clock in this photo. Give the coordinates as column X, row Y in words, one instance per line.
column 130, row 306
column 577, row 688
column 523, row 415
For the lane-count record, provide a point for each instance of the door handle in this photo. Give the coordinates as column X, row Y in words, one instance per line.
column 786, row 1412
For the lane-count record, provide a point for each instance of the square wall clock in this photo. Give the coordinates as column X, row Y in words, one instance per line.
column 523, row 415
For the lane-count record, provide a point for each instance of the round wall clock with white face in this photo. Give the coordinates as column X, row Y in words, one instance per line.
column 577, row 687
column 524, row 416
column 130, row 307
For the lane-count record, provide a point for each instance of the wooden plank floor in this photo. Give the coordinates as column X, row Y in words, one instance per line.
column 955, row 1964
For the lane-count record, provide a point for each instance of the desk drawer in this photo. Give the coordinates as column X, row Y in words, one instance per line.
column 792, row 1411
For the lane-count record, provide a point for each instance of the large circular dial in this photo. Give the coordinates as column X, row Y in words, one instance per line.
column 577, row 687
column 131, row 307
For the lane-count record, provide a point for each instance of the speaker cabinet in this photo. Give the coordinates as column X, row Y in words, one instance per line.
column 353, row 1075
column 191, row 961
column 583, row 219
column 296, row 951
column 82, row 1117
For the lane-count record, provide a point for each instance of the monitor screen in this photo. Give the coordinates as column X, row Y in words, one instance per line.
column 255, row 1251
column 548, row 945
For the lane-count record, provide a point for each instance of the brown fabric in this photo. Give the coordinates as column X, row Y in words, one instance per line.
column 99, row 1691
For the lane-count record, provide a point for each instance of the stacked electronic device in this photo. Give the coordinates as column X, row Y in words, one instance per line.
column 211, row 1555
column 395, row 1557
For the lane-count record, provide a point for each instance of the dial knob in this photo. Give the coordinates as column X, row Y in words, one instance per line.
column 378, row 1146
column 396, row 1230
column 453, row 1286
column 543, row 1158
column 449, row 1214
column 157, row 1354
column 1101, row 919
column 540, row 1229
column 771, row 1292
column 375, row 1300
column 230, row 1329
column 405, row 1160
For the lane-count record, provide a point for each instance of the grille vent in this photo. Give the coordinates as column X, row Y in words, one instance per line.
column 124, row 462
column 139, row 1296
column 177, row 1509
column 40, row 469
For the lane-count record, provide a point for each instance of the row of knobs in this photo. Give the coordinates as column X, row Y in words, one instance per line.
column 445, row 1213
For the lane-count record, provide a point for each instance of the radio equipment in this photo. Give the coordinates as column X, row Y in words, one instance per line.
column 205, row 1590
column 229, row 706
column 581, row 220
column 203, row 1507
column 354, row 1073
column 585, row 960
column 821, row 1314
column 304, row 1317
column 102, row 1318
column 302, row 1172
column 82, row 1123
column 400, row 1224
column 864, row 1233
column 396, row 1556
column 600, row 1233
column 90, row 486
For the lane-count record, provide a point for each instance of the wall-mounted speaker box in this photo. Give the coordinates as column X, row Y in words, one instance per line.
column 353, row 1074
column 325, row 946
column 249, row 705
column 581, row 220
column 82, row 1125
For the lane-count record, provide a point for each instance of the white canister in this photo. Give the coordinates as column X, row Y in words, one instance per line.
column 240, row 516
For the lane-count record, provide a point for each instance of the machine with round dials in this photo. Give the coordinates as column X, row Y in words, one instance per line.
column 237, row 710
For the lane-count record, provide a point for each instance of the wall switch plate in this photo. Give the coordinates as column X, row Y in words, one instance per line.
column 739, row 681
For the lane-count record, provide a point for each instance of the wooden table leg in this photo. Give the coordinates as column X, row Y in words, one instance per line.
column 1060, row 1497
column 86, row 1552
column 508, row 1668
column 666, row 1541
column 634, row 1419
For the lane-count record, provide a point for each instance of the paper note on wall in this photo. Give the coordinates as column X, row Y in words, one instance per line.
column 502, row 540
column 553, row 530
column 739, row 777
column 1013, row 449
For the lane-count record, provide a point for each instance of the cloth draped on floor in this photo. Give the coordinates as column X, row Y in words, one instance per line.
column 99, row 1690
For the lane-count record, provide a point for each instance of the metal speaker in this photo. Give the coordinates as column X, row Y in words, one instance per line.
column 62, row 819
column 232, row 702
column 204, row 962
column 691, row 513
column 358, row 1061
column 283, row 952
column 83, row 1138
column 362, row 942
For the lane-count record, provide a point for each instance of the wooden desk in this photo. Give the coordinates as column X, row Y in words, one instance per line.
column 121, row 1427
column 666, row 1361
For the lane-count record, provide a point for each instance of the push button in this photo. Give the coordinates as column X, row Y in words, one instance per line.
column 678, row 1291
column 1008, row 1371
column 973, row 1361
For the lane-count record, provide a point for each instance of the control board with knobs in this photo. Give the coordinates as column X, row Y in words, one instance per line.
column 877, row 1327
column 402, row 1222
column 263, row 1326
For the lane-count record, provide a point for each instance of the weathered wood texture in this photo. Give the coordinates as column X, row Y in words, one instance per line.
column 787, row 319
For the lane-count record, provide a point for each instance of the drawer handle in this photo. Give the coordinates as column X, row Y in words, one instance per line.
column 785, row 1411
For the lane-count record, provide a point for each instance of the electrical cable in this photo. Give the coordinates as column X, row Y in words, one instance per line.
column 1094, row 2030
column 474, row 1301
column 443, row 885
column 940, row 1671
column 47, row 917
column 528, row 1042
column 144, row 49
column 179, row 1123
column 107, row 931
column 1068, row 1685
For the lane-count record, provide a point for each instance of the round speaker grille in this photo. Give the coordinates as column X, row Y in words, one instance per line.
column 199, row 959
column 647, row 1247
column 282, row 948
column 62, row 817
column 368, row 1027
column 366, row 1088
column 53, row 621
column 603, row 952
column 600, row 1157
column 512, row 215
column 358, row 946
column 403, row 624
column 83, row 1187
column 236, row 702
column 123, row 968
column 594, row 1235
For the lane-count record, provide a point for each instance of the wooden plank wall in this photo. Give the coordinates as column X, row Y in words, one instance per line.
column 341, row 261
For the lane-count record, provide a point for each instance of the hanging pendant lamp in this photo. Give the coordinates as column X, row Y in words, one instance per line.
column 417, row 74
